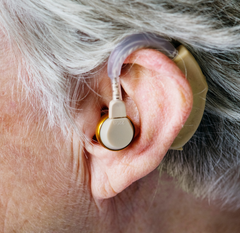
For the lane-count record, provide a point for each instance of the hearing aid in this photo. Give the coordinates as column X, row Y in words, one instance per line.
column 116, row 131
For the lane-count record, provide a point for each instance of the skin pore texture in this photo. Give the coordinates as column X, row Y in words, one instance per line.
column 52, row 183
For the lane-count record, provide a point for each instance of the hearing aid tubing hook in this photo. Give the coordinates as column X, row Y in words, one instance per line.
column 129, row 45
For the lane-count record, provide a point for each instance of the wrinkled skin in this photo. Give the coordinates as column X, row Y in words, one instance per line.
column 47, row 183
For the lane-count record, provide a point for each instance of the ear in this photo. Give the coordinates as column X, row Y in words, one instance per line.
column 158, row 100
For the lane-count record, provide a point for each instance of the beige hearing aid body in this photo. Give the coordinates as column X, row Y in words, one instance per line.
column 188, row 65
column 116, row 131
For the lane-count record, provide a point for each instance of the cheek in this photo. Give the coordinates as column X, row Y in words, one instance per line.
column 42, row 183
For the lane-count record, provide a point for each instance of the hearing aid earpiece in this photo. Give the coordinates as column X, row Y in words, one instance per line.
column 116, row 131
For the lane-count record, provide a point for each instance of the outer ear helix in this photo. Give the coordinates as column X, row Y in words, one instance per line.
column 116, row 132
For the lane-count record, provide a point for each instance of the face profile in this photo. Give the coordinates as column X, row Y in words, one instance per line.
column 119, row 116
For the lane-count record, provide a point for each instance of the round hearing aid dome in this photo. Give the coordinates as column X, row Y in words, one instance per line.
column 115, row 134
column 115, row 131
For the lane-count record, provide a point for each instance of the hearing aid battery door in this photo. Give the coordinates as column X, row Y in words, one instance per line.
column 116, row 133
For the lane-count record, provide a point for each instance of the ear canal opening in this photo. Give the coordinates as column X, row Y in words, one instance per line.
column 104, row 111
column 94, row 139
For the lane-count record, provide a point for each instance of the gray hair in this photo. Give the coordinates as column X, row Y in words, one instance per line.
column 64, row 43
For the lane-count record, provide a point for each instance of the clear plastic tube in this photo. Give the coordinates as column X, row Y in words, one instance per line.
column 129, row 45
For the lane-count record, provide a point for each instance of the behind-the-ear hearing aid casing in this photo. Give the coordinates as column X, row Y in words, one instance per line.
column 189, row 66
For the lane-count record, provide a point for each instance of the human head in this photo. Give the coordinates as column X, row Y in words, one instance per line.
column 60, row 49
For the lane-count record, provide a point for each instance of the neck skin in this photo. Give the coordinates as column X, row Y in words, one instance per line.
column 155, row 204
